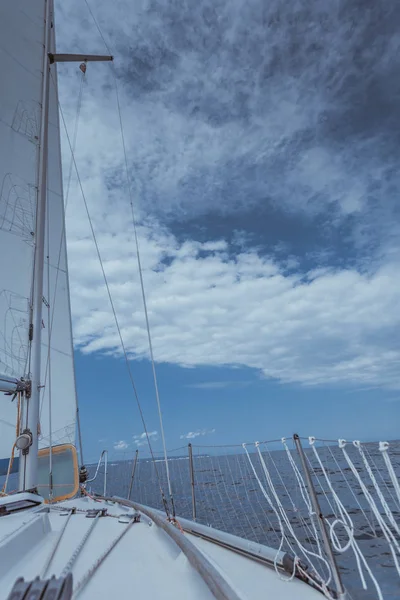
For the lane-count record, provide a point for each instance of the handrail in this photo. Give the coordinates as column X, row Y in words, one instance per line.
column 215, row 581
column 105, row 454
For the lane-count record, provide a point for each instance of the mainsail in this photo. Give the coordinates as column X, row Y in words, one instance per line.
column 21, row 64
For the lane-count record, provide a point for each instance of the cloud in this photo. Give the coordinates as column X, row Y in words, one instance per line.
column 294, row 120
column 141, row 439
column 299, row 114
column 121, row 445
column 331, row 325
column 217, row 385
column 194, row 434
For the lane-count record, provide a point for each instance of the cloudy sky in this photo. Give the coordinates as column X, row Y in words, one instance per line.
column 262, row 147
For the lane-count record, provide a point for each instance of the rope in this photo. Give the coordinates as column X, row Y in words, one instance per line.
column 113, row 310
column 346, row 522
column 78, row 549
column 352, row 492
column 379, row 472
column 10, row 463
column 390, row 538
column 381, row 497
column 86, row 578
column 86, row 493
column 307, row 553
column 383, row 447
column 56, row 545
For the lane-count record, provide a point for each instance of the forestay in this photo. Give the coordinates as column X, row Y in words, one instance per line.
column 21, row 50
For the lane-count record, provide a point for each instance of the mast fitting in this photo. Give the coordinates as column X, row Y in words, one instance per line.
column 53, row 58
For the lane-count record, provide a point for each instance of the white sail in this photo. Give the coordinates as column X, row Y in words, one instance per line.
column 21, row 60
column 21, row 57
column 58, row 367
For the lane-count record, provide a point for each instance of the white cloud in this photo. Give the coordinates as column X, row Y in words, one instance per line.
column 141, row 438
column 194, row 434
column 121, row 445
column 218, row 385
column 328, row 326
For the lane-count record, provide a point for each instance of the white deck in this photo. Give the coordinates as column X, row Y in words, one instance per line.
column 146, row 563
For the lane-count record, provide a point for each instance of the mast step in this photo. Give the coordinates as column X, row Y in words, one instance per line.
column 42, row 589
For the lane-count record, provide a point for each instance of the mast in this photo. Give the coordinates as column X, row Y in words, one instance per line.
column 28, row 458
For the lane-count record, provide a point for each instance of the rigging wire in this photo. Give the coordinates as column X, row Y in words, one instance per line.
column 98, row 27
column 144, row 299
column 75, row 135
column 140, row 269
column 113, row 310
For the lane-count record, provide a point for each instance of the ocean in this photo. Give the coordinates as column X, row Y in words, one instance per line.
column 232, row 493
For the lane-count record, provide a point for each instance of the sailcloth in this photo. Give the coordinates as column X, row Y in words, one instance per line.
column 21, row 63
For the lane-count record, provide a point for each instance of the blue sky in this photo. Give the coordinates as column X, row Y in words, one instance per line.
column 262, row 146
column 237, row 404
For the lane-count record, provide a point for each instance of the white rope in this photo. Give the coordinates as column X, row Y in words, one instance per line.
column 264, row 513
column 308, row 531
column 344, row 478
column 380, row 472
column 390, row 538
column 268, row 499
column 304, row 493
column 383, row 447
column 282, row 513
column 307, row 553
column 346, row 522
column 381, row 497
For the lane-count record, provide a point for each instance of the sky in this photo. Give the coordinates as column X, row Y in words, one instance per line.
column 262, row 146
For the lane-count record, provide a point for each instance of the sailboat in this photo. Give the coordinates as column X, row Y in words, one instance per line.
column 56, row 539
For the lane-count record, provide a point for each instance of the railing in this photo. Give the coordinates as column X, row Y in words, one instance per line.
column 105, row 455
column 286, row 497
